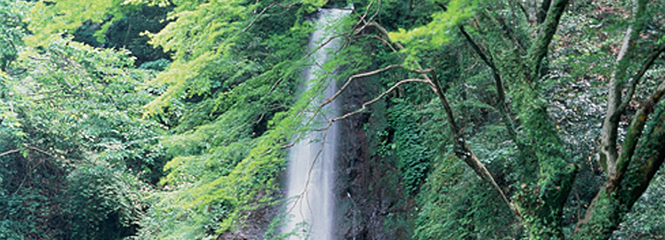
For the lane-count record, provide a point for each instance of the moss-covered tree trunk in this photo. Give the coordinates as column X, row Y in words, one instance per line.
column 548, row 173
column 541, row 196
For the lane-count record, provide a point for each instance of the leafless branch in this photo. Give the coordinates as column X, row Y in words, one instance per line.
column 274, row 85
column 362, row 18
column 472, row 66
column 636, row 79
column 503, row 110
column 383, row 94
column 461, row 147
column 10, row 152
column 375, row 13
column 608, row 152
column 359, row 75
column 258, row 16
column 323, row 44
column 28, row 147
column 634, row 133
column 41, row 151
column 336, row 95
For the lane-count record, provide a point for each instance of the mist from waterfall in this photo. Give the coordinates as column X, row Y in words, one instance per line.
column 311, row 162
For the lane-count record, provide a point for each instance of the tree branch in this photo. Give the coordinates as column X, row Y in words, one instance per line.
column 633, row 135
column 608, row 153
column 339, row 92
column 461, row 147
column 362, row 18
column 378, row 8
column 542, row 11
column 636, row 79
column 10, row 152
column 380, row 28
column 323, row 44
column 28, row 147
column 260, row 15
column 539, row 49
column 604, row 213
column 503, row 111
column 359, row 75
column 383, row 94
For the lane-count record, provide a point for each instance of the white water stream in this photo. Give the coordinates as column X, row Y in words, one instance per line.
column 311, row 161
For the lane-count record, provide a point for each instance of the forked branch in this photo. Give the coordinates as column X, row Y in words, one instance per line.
column 461, row 147
column 383, row 94
column 636, row 79
column 539, row 49
column 633, row 135
column 501, row 95
column 608, row 152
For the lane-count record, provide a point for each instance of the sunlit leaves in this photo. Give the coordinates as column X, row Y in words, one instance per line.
column 12, row 29
column 439, row 31
column 76, row 109
column 50, row 19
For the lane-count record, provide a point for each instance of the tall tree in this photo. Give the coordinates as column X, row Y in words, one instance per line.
column 515, row 50
column 228, row 98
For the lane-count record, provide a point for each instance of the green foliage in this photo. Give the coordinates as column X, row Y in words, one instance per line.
column 82, row 134
column 128, row 33
column 413, row 158
column 12, row 30
column 51, row 19
column 76, row 152
column 437, row 32
column 645, row 219
column 455, row 205
column 102, row 202
column 231, row 87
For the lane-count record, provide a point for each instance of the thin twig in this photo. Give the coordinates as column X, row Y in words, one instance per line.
column 359, row 75
column 10, row 152
column 636, row 79
column 364, row 106
column 257, row 17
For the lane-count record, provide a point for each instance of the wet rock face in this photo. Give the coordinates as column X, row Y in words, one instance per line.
column 369, row 192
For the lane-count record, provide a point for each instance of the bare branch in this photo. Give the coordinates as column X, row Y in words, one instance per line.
column 41, row 151
column 362, row 18
column 375, row 13
column 323, row 44
column 477, row 49
column 258, row 16
column 31, row 148
column 380, row 28
column 274, row 85
column 383, row 94
column 386, row 43
column 636, row 79
column 359, row 75
column 337, row 94
column 461, row 147
column 633, row 135
column 10, row 152
column 503, row 110
column 608, row 153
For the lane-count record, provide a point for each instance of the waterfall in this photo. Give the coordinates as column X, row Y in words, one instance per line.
column 310, row 169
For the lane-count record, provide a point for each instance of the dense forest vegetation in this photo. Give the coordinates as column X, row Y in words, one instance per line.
column 461, row 119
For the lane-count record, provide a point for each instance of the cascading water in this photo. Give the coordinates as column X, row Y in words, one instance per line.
column 311, row 173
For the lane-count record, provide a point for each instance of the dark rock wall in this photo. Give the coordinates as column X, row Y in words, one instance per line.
column 371, row 202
